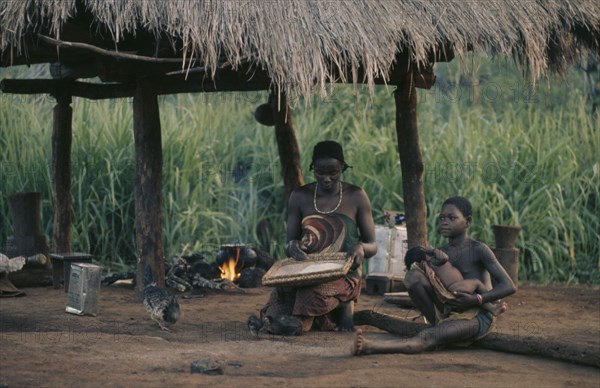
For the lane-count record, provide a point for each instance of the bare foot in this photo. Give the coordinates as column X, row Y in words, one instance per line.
column 498, row 308
column 362, row 347
column 307, row 323
column 358, row 347
column 346, row 317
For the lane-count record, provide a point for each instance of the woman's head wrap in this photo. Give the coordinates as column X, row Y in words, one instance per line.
column 329, row 149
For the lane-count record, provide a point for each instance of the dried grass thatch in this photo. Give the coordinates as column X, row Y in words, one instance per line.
column 303, row 44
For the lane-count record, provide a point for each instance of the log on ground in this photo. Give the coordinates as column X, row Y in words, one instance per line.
column 526, row 345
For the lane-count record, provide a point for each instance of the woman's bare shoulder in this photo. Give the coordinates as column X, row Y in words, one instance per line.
column 304, row 190
column 480, row 247
column 350, row 189
column 475, row 243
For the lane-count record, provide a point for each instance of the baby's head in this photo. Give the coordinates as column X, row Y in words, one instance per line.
column 414, row 255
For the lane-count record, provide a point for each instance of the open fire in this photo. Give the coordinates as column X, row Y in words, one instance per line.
column 231, row 267
column 240, row 264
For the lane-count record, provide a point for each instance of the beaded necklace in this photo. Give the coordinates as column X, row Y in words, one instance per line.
column 336, row 206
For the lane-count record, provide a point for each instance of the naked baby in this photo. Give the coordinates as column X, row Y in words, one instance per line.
column 446, row 279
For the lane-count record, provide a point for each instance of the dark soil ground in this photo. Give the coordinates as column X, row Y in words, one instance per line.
column 41, row 345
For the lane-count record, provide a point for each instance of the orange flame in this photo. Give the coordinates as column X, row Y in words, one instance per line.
column 229, row 269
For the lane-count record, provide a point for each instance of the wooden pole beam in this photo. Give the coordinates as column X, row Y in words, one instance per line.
column 148, row 185
column 411, row 161
column 104, row 52
column 226, row 80
column 61, row 173
column 169, row 85
column 74, row 88
column 289, row 153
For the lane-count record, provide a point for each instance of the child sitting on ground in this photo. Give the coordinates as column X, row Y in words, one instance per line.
column 447, row 279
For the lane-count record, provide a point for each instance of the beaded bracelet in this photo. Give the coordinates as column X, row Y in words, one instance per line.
column 479, row 299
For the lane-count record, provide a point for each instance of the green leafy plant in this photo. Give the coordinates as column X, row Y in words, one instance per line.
column 527, row 156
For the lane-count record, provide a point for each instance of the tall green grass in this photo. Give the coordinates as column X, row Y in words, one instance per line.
column 523, row 161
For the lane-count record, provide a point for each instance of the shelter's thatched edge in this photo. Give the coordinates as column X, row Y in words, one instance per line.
column 305, row 44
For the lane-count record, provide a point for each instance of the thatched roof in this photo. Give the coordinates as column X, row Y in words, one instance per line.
column 303, row 44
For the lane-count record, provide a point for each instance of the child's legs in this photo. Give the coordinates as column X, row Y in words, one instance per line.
column 422, row 294
column 468, row 286
column 495, row 308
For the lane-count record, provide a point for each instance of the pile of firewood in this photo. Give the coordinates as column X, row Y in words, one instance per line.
column 185, row 273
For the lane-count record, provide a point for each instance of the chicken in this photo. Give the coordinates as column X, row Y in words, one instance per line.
column 162, row 306
column 11, row 265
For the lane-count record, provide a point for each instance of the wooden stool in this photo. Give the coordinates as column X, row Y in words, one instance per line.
column 61, row 265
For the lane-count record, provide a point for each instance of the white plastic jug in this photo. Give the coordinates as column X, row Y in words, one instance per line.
column 391, row 247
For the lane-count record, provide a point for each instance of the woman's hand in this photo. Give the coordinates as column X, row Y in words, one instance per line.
column 463, row 300
column 357, row 253
column 296, row 249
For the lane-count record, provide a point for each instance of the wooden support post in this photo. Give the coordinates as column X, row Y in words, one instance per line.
column 289, row 154
column 61, row 173
column 148, row 185
column 411, row 161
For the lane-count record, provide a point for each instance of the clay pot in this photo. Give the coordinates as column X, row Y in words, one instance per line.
column 506, row 235
column 25, row 213
column 28, row 239
column 264, row 115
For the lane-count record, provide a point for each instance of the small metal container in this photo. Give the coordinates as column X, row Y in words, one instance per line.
column 84, row 286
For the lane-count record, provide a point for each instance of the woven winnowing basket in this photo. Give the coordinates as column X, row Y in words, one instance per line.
column 318, row 268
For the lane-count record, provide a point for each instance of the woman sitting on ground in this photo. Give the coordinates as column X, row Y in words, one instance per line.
column 325, row 216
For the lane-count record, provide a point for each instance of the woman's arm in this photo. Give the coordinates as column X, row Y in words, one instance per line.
column 367, row 246
column 503, row 288
column 504, row 285
column 294, row 247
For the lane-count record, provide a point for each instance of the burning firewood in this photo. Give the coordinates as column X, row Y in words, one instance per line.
column 221, row 284
column 178, row 283
column 232, row 258
column 235, row 266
